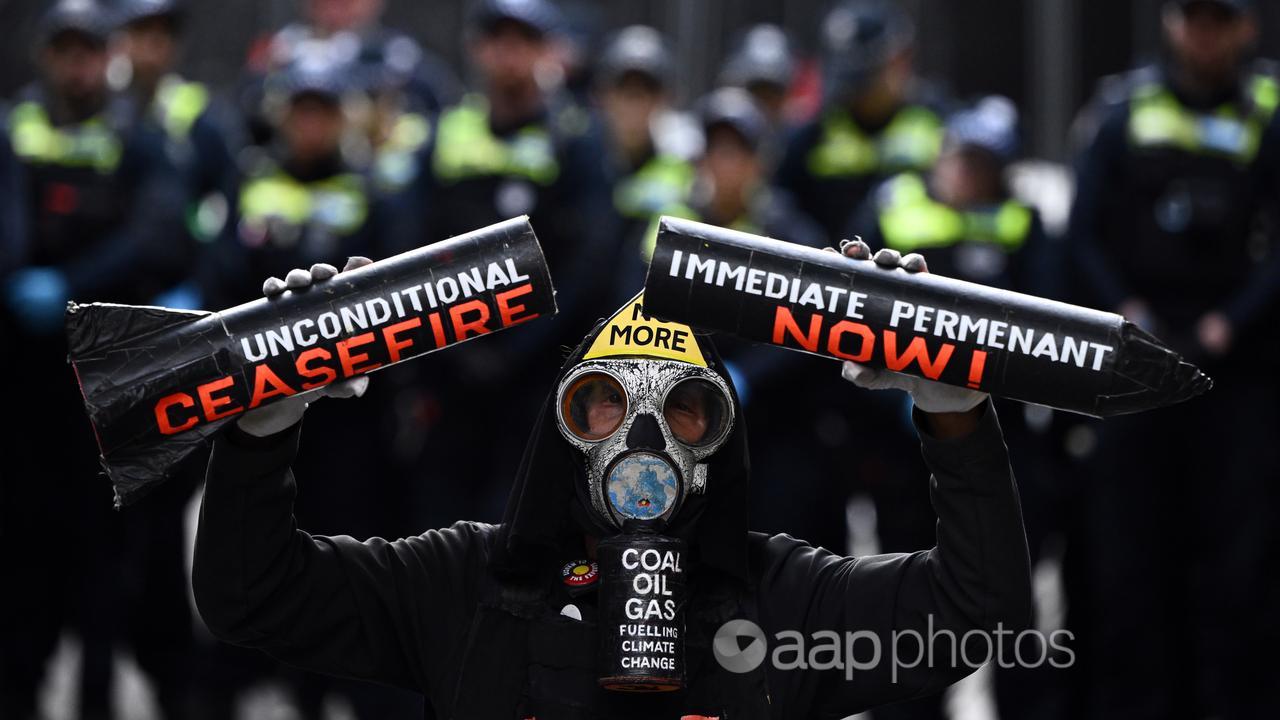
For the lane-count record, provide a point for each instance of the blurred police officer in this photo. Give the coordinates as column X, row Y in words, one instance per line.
column 875, row 123
column 876, row 120
column 733, row 188
column 350, row 31
column 515, row 144
column 303, row 202
column 196, row 139
column 300, row 200
column 653, row 174
column 1182, row 171
column 960, row 214
column 763, row 65
column 102, row 213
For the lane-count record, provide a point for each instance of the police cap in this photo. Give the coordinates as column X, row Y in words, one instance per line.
column 990, row 124
column 763, row 56
column 859, row 37
column 83, row 17
column 639, row 50
column 733, row 107
column 131, row 11
column 540, row 16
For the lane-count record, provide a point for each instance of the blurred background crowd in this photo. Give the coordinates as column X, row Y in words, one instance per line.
column 1124, row 156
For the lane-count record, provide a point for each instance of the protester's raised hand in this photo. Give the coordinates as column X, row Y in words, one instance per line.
column 928, row 395
column 283, row 415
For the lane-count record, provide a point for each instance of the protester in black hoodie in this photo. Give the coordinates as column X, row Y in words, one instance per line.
column 484, row 619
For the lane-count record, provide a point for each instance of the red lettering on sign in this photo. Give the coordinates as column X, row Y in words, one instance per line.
column 351, row 361
column 844, row 327
column 394, row 344
column 162, row 413
column 918, row 352
column 462, row 329
column 325, row 373
column 262, row 377
column 784, row 323
column 211, row 404
column 508, row 312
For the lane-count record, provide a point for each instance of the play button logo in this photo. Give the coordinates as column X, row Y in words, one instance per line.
column 739, row 646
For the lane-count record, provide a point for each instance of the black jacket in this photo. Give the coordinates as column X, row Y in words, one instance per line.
column 402, row 612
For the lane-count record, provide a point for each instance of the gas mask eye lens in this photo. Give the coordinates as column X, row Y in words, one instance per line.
column 696, row 411
column 594, row 406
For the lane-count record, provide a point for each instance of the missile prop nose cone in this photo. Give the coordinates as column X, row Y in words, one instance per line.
column 1191, row 381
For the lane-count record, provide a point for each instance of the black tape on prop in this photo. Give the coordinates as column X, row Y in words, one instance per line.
column 158, row 383
column 642, row 605
column 1005, row 343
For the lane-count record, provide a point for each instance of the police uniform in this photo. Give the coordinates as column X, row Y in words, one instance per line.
column 184, row 110
column 1175, row 206
column 493, row 621
column 379, row 58
column 397, row 160
column 830, row 166
column 832, row 163
column 1000, row 243
column 660, row 179
column 101, row 211
column 550, row 166
column 989, row 245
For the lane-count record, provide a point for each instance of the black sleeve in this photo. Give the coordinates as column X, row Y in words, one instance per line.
column 1096, row 174
column 977, row 578
column 391, row 612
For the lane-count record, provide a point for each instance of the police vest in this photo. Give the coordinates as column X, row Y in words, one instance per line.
column 1187, row 182
column 744, row 223
column 1158, row 120
column 911, row 221
column 911, row 141
column 523, row 659
column 396, row 165
column 661, row 183
column 280, row 208
column 467, row 148
column 91, row 144
column 178, row 104
column 75, row 197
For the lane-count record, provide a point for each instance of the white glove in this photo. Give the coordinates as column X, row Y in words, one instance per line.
column 928, row 395
column 283, row 415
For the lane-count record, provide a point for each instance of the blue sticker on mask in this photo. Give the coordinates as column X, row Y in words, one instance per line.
column 642, row 486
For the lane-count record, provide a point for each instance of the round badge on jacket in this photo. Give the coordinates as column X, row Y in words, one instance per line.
column 580, row 573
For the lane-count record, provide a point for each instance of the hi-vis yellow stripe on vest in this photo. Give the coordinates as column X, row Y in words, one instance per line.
column 630, row 333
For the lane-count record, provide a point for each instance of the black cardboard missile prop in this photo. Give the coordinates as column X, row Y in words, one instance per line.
column 158, row 383
column 1005, row 343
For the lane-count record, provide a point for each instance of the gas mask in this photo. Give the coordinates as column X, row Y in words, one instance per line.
column 646, row 412
column 645, row 428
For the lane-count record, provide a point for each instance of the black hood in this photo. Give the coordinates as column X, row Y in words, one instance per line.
column 546, row 513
